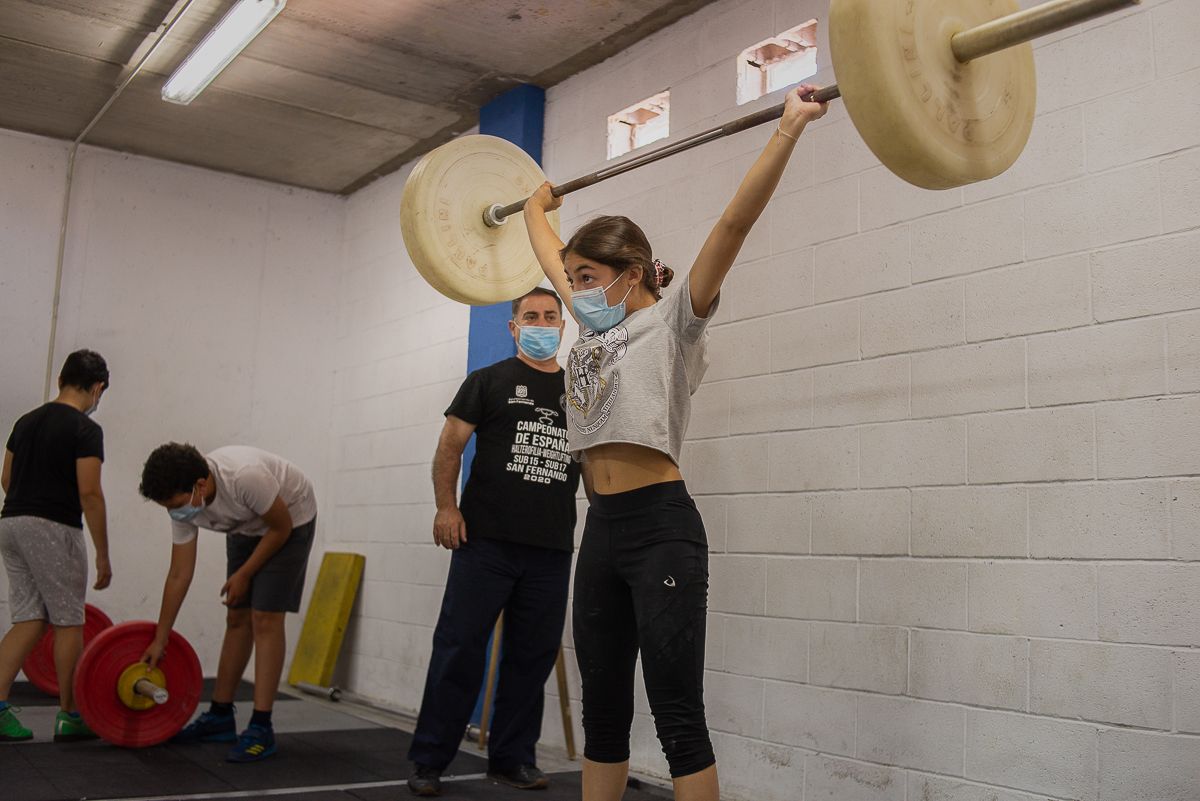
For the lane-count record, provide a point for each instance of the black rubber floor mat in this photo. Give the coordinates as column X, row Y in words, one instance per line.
column 563, row 787
column 20, row 781
column 305, row 759
column 25, row 694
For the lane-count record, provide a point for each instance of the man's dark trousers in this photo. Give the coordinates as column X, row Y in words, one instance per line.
column 486, row 576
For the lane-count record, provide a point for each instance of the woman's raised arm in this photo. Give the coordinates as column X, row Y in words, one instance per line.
column 546, row 244
column 725, row 241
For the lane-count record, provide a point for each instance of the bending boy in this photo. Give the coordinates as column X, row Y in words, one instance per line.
column 268, row 511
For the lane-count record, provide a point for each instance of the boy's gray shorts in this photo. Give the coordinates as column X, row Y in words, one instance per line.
column 276, row 587
column 47, row 571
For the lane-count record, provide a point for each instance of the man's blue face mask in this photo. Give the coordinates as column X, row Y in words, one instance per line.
column 538, row 342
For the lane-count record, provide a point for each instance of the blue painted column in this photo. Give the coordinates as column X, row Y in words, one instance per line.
column 518, row 115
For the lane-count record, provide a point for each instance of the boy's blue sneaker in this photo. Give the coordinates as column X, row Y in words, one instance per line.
column 208, row 728
column 253, row 744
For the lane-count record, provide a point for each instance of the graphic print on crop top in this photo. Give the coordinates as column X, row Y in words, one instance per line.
column 587, row 389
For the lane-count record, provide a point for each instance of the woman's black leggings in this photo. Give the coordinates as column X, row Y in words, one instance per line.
column 641, row 583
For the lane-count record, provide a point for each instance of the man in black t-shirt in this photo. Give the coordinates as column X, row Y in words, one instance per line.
column 51, row 481
column 512, row 537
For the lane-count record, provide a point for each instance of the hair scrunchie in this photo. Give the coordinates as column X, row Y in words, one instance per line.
column 658, row 272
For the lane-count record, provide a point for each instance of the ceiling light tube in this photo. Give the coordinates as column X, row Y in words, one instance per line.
column 222, row 44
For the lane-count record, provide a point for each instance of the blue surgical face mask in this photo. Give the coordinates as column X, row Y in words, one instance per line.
column 538, row 342
column 592, row 309
column 187, row 512
column 95, row 404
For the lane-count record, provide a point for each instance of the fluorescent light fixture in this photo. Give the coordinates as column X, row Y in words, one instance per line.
column 222, row 44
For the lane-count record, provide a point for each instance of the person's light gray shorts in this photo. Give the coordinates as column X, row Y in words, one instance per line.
column 46, row 564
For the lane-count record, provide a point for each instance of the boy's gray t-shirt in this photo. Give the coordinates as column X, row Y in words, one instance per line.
column 248, row 482
column 634, row 383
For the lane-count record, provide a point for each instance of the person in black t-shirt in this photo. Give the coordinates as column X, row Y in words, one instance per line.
column 51, row 481
column 512, row 536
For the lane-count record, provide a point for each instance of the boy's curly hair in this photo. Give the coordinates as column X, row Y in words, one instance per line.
column 171, row 469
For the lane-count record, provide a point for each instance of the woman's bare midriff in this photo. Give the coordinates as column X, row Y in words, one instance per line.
column 621, row 466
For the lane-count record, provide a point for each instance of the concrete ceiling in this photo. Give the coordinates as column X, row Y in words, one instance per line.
column 333, row 94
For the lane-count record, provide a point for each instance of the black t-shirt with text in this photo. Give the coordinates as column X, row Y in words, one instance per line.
column 45, row 444
column 522, row 482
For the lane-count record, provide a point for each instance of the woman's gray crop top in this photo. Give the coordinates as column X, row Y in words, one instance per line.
column 634, row 383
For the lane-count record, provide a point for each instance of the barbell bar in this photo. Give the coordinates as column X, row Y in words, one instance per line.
column 1032, row 23
column 982, row 40
column 943, row 92
column 148, row 689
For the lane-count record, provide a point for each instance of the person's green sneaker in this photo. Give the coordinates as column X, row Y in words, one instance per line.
column 11, row 730
column 69, row 728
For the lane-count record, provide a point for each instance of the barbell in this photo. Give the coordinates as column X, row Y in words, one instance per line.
column 129, row 703
column 39, row 665
column 943, row 92
column 121, row 698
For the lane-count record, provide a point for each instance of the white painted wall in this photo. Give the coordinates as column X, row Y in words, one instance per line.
column 30, row 209
column 399, row 357
column 945, row 451
column 210, row 296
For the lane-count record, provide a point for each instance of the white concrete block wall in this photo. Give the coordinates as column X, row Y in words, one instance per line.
column 209, row 296
column 399, row 355
column 946, row 448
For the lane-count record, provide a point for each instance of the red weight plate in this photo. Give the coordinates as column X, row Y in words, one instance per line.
column 39, row 665
column 101, row 665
